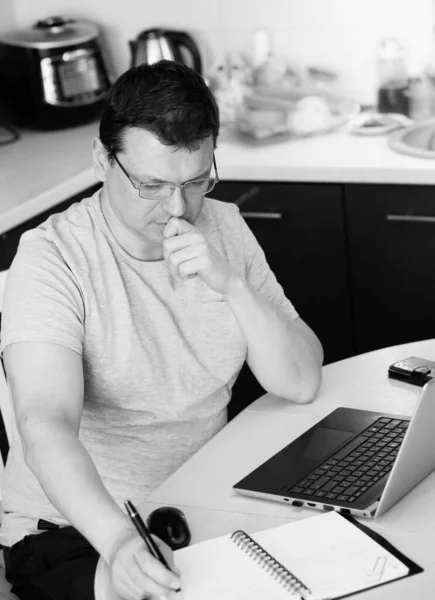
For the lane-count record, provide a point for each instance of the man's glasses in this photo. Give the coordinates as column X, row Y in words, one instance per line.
column 163, row 191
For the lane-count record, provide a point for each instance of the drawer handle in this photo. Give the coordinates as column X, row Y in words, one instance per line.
column 261, row 215
column 411, row 218
column 253, row 191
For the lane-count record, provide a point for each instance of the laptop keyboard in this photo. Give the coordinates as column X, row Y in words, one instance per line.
column 355, row 468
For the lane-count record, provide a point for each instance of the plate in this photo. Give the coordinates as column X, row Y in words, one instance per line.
column 370, row 123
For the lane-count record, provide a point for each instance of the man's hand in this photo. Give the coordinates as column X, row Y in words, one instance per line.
column 189, row 254
column 136, row 574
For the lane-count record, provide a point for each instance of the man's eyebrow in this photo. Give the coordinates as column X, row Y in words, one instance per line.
column 151, row 179
column 201, row 175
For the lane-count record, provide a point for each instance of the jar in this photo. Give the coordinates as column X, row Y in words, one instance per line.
column 392, row 78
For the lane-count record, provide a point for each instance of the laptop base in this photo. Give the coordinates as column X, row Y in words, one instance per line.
column 368, row 513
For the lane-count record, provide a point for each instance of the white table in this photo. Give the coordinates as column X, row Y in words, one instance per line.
column 202, row 487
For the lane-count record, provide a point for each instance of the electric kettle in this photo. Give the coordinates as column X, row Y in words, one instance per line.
column 156, row 44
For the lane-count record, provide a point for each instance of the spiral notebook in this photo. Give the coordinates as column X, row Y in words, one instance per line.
column 322, row 557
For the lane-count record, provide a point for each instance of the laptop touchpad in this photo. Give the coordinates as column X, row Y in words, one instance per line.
column 323, row 441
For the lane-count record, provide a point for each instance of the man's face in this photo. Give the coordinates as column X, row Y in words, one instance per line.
column 146, row 160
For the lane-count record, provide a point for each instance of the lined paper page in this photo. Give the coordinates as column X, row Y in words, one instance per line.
column 328, row 554
column 219, row 570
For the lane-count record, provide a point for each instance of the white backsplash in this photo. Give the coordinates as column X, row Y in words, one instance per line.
column 7, row 15
column 338, row 34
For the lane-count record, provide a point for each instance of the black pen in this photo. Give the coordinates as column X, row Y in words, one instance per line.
column 146, row 536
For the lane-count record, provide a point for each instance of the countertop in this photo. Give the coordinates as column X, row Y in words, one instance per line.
column 44, row 168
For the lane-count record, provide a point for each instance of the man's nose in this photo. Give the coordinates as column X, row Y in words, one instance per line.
column 176, row 204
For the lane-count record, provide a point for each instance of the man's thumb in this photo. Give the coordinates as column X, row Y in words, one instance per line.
column 175, row 226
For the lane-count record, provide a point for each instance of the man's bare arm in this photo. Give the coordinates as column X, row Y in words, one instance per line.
column 46, row 382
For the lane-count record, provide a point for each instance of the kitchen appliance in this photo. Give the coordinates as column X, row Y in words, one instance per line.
column 53, row 74
column 156, row 44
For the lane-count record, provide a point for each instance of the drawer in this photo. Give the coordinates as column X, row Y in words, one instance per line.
column 273, row 201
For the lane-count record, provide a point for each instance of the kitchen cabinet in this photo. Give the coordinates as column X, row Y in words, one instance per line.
column 391, row 232
column 301, row 229
column 10, row 239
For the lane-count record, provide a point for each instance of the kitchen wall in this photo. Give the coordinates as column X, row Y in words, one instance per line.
column 338, row 34
column 7, row 15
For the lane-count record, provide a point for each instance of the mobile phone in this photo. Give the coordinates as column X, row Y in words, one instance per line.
column 414, row 370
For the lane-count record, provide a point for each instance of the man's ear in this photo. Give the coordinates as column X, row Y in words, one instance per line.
column 100, row 159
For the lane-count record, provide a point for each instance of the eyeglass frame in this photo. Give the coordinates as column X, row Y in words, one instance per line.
column 174, row 185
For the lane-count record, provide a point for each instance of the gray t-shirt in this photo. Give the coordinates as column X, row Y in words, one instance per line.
column 160, row 354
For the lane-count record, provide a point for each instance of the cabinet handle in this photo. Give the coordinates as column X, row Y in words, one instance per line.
column 253, row 191
column 261, row 215
column 411, row 218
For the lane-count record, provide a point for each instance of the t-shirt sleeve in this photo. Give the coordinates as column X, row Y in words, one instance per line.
column 260, row 275
column 42, row 301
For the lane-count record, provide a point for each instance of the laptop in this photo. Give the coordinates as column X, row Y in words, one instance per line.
column 353, row 461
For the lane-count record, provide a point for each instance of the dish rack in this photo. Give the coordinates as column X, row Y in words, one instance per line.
column 269, row 114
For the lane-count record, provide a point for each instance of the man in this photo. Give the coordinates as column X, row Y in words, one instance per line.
column 126, row 320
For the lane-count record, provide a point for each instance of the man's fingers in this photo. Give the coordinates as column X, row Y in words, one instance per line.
column 146, row 577
column 136, row 574
column 188, row 262
column 175, row 226
column 167, row 553
column 191, row 268
column 170, row 229
column 178, row 242
column 180, row 256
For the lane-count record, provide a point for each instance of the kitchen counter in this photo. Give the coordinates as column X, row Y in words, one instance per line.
column 41, row 170
column 44, row 168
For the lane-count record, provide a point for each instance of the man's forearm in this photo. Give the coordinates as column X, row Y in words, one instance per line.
column 284, row 356
column 68, row 476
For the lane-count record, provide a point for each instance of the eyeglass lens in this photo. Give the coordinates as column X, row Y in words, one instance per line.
column 165, row 190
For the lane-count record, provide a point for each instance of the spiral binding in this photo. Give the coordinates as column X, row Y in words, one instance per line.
column 282, row 575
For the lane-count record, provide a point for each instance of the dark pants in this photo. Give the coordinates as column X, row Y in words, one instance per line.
column 59, row 564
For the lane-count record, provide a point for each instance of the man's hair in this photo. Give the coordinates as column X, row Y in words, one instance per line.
column 170, row 100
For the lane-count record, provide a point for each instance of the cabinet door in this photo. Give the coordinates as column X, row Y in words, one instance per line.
column 392, row 243
column 10, row 239
column 301, row 230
